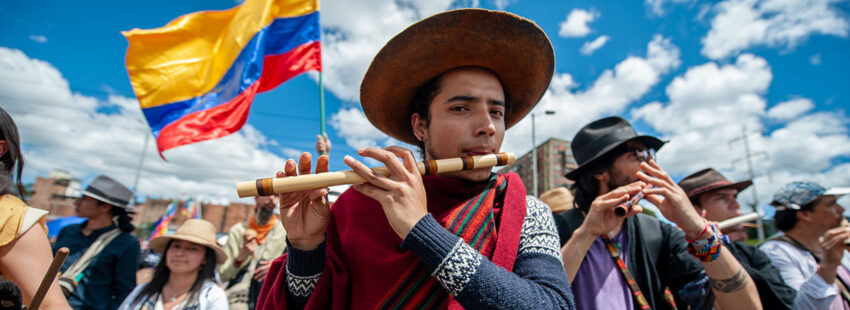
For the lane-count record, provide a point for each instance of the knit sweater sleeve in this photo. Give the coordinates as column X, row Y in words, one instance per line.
column 537, row 282
column 303, row 270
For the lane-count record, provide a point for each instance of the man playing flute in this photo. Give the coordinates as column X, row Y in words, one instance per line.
column 625, row 262
column 451, row 84
column 710, row 192
column 810, row 253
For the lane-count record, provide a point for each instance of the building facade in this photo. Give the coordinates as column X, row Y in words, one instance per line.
column 554, row 160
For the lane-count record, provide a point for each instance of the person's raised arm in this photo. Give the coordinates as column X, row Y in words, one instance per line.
column 600, row 220
column 305, row 216
column 730, row 283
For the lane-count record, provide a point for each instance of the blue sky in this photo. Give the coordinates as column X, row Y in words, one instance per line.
column 691, row 72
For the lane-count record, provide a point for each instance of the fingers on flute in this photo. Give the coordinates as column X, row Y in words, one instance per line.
column 289, row 168
column 643, row 176
column 369, row 190
column 389, row 159
column 652, row 168
column 366, row 173
column 407, row 157
column 322, row 164
column 304, row 163
column 631, row 189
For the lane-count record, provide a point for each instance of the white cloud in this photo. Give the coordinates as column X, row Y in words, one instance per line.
column 708, row 109
column 591, row 46
column 741, row 24
column 657, row 6
column 815, row 59
column 576, row 23
column 38, row 38
column 788, row 110
column 355, row 31
column 356, row 129
column 502, row 4
column 65, row 130
column 610, row 93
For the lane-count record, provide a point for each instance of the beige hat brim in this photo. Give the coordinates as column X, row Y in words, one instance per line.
column 158, row 245
column 515, row 49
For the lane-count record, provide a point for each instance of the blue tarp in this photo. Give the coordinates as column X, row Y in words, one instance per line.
column 54, row 226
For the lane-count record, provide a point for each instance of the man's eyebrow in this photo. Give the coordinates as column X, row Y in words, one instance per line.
column 463, row 98
column 466, row 98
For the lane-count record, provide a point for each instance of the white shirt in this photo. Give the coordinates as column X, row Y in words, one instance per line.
column 799, row 270
column 212, row 297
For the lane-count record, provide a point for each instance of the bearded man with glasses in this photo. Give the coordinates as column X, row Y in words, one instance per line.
column 626, row 262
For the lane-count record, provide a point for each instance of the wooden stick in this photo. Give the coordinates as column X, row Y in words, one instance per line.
column 269, row 186
column 49, row 278
column 738, row 220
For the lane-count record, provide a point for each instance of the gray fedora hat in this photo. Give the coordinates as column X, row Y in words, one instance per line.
column 108, row 190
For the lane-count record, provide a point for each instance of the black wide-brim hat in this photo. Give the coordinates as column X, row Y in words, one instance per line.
column 597, row 139
column 707, row 180
column 513, row 48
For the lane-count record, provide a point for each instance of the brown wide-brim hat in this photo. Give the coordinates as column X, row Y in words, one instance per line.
column 707, row 180
column 196, row 231
column 515, row 49
column 559, row 199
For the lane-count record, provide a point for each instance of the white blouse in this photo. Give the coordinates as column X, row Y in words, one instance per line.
column 212, row 297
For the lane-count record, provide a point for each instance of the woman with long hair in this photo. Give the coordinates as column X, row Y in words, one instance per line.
column 185, row 276
column 24, row 249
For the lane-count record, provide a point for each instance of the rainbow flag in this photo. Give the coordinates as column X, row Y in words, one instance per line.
column 196, row 77
column 161, row 226
column 193, row 209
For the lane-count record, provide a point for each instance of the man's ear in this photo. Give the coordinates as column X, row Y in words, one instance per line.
column 4, row 147
column 419, row 125
column 602, row 177
column 803, row 216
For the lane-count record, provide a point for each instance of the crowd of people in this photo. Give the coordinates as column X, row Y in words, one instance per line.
column 451, row 84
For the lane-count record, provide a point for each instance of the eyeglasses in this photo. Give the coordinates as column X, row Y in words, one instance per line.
column 642, row 154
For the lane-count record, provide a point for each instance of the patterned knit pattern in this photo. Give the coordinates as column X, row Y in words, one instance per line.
column 538, row 231
column 301, row 286
column 457, row 268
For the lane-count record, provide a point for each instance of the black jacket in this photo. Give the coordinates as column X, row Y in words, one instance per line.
column 657, row 255
column 664, row 261
column 773, row 291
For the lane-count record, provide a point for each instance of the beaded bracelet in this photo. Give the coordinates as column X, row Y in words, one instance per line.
column 710, row 250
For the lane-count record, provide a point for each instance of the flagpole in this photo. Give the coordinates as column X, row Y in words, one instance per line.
column 321, row 105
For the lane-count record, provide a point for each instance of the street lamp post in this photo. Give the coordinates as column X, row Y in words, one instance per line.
column 534, row 152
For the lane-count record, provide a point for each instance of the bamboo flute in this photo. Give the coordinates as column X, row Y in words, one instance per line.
column 738, row 220
column 269, row 186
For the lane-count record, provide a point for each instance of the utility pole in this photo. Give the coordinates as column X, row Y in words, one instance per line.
column 751, row 172
column 534, row 153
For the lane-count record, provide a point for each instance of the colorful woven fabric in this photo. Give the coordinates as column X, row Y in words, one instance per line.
column 474, row 222
column 614, row 249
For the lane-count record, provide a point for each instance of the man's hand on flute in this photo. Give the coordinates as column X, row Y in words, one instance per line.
column 305, row 214
column 401, row 193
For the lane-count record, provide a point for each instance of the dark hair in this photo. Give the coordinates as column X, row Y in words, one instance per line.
column 421, row 103
column 586, row 188
column 124, row 220
column 785, row 220
column 161, row 273
column 12, row 158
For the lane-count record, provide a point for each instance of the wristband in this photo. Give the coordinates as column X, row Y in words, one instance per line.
column 704, row 229
column 707, row 250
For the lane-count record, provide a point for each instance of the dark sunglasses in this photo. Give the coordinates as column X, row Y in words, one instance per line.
column 642, row 153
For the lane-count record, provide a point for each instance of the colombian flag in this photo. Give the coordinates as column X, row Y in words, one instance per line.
column 195, row 77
